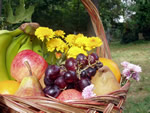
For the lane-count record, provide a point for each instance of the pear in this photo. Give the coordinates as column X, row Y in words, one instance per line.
column 104, row 81
column 30, row 85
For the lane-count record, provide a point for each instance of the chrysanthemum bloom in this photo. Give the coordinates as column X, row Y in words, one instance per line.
column 74, row 51
column 44, row 33
column 70, row 39
column 80, row 35
column 124, row 64
column 56, row 44
column 131, row 71
column 59, row 33
column 88, row 92
column 93, row 42
column 81, row 41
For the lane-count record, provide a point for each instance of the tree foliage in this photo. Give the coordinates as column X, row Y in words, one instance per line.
column 20, row 14
column 71, row 16
column 143, row 18
column 15, row 13
column 109, row 11
column 68, row 15
column 138, row 22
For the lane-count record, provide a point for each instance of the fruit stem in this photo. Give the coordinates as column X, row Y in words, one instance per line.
column 79, row 71
column 29, row 28
column 29, row 67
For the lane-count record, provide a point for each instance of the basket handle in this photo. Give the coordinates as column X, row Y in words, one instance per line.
column 104, row 50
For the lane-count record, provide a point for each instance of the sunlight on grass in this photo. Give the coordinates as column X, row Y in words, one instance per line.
column 139, row 94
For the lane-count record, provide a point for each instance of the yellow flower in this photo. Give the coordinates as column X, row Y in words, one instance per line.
column 79, row 35
column 74, row 51
column 93, row 42
column 70, row 39
column 44, row 32
column 56, row 44
column 59, row 33
column 81, row 41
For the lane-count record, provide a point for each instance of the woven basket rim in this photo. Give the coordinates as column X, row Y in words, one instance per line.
column 100, row 103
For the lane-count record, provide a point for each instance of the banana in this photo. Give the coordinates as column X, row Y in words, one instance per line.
column 5, row 40
column 26, row 45
column 37, row 46
column 12, row 51
column 4, row 31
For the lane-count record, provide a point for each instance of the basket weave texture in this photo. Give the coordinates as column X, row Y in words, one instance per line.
column 110, row 103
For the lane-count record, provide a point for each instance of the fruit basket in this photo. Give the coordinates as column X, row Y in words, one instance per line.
column 110, row 103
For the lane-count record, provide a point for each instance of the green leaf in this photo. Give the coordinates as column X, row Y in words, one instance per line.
column 20, row 10
column 10, row 16
column 28, row 13
column 21, row 13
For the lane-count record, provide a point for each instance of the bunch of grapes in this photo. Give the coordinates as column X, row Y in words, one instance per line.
column 75, row 73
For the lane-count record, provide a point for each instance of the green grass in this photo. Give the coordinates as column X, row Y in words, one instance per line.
column 138, row 99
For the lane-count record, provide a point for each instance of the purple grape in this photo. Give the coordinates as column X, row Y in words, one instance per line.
column 70, row 86
column 93, row 57
column 47, row 81
column 82, row 59
column 60, row 82
column 76, row 86
column 98, row 65
column 52, row 72
column 71, row 64
column 91, row 72
column 62, row 70
column 53, row 90
column 83, row 82
column 73, row 74
column 83, row 74
column 69, row 77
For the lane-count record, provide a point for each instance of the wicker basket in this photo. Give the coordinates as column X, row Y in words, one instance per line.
column 110, row 103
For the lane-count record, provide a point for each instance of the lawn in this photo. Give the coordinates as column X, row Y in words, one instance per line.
column 138, row 99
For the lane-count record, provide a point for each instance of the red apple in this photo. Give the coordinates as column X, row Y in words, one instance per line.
column 70, row 94
column 37, row 63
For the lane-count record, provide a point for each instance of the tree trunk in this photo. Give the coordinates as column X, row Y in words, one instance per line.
column 108, row 35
